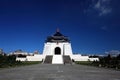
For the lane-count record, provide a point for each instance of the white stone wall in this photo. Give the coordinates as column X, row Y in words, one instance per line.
column 21, row 59
column 42, row 57
column 49, row 48
column 31, row 58
column 68, row 49
column 35, row 58
column 93, row 59
column 78, row 57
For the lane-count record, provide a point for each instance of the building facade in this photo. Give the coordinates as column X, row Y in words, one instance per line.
column 57, row 50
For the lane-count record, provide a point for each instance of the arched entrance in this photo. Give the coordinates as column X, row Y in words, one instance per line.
column 57, row 51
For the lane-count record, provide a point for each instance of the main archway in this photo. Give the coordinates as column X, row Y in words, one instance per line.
column 57, row 51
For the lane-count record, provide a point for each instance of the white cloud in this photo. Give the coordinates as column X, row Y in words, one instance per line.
column 113, row 52
column 97, row 5
column 102, row 6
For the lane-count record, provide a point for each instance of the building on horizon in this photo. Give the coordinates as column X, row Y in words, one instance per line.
column 57, row 50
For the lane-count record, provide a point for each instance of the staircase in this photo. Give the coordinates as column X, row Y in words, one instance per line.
column 67, row 59
column 57, row 59
column 48, row 60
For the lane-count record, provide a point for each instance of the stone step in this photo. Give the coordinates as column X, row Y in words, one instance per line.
column 57, row 59
column 67, row 59
column 48, row 59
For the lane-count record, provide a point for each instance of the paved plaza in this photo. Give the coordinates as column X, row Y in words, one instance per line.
column 58, row 72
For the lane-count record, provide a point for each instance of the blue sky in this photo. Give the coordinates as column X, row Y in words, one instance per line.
column 93, row 26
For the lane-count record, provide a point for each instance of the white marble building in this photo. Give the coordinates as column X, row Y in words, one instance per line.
column 57, row 50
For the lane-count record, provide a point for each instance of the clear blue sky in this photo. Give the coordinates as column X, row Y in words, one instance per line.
column 93, row 26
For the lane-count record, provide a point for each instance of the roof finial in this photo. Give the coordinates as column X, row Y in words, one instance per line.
column 57, row 30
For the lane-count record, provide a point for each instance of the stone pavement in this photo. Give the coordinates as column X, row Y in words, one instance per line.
column 58, row 72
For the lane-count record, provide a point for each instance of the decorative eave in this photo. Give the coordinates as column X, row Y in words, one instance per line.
column 57, row 37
